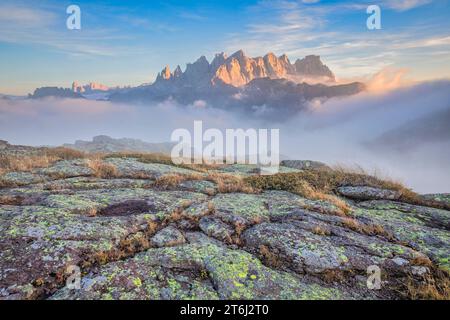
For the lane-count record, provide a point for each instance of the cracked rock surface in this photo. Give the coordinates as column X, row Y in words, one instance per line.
column 131, row 239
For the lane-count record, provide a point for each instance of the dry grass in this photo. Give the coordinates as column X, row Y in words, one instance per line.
column 321, row 231
column 11, row 200
column 174, row 180
column 102, row 169
column 300, row 184
column 25, row 163
column 62, row 153
column 422, row 261
column 368, row 229
column 270, row 258
column 227, row 183
column 333, row 276
column 430, row 287
column 321, row 184
column 42, row 158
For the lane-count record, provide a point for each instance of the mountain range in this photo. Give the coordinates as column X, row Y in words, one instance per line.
column 269, row 86
column 238, row 70
column 105, row 144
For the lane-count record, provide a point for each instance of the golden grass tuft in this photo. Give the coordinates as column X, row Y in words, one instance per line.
column 298, row 184
column 102, row 169
column 321, row 231
column 25, row 163
column 322, row 184
column 422, row 260
column 270, row 258
column 174, row 180
column 41, row 158
column 227, row 183
column 367, row 229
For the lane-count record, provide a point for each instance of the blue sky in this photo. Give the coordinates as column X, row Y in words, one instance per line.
column 128, row 42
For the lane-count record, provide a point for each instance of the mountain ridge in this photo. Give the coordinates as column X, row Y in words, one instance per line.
column 238, row 69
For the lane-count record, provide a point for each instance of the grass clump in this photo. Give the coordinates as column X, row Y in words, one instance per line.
column 322, row 184
column 304, row 184
column 174, row 180
column 102, row 169
column 228, row 183
column 25, row 163
column 431, row 286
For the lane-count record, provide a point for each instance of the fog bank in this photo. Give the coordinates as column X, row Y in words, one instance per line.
column 337, row 131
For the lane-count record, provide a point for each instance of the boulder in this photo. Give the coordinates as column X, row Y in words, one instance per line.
column 168, row 237
column 215, row 228
column 303, row 164
column 363, row 193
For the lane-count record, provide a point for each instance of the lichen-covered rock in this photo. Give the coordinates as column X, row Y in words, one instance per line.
column 39, row 243
column 303, row 164
column 443, row 198
column 92, row 201
column 89, row 183
column 210, row 272
column 248, row 170
column 66, row 169
column 215, row 228
column 203, row 186
column 133, row 240
column 168, row 237
column 20, row 178
column 129, row 167
column 424, row 229
column 296, row 244
column 363, row 193
column 247, row 206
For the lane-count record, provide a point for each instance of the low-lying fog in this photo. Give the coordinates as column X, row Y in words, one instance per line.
column 403, row 134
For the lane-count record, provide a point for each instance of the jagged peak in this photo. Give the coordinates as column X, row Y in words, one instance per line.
column 177, row 73
column 239, row 69
column 270, row 55
column 284, row 58
column 220, row 55
column 238, row 54
column 202, row 60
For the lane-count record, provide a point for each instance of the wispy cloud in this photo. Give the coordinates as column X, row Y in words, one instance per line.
column 403, row 5
column 299, row 29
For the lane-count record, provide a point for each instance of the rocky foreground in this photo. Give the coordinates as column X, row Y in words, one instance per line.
column 156, row 231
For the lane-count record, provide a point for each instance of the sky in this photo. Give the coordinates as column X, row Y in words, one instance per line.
column 128, row 42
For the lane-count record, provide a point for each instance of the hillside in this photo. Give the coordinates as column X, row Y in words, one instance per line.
column 139, row 227
column 105, row 144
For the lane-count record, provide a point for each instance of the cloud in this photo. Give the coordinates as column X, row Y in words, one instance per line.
column 388, row 79
column 46, row 26
column 403, row 5
column 338, row 131
column 298, row 29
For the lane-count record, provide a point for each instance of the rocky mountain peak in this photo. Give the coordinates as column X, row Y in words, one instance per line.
column 238, row 55
column 312, row 66
column 238, row 69
column 177, row 73
column 165, row 73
